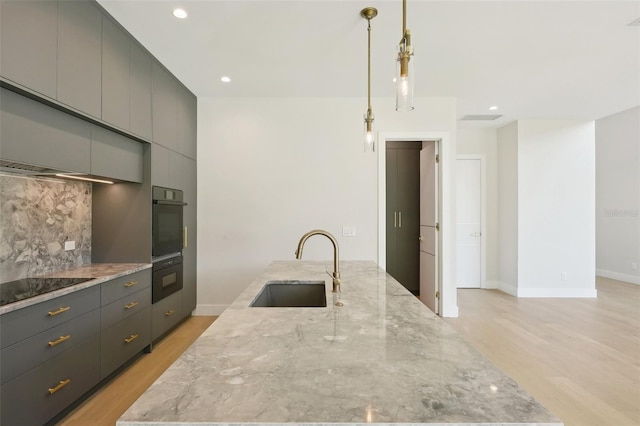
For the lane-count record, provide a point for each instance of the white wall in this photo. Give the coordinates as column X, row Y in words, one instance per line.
column 508, row 208
column 485, row 142
column 271, row 169
column 618, row 196
column 556, row 205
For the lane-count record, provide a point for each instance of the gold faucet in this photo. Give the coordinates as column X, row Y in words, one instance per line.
column 336, row 264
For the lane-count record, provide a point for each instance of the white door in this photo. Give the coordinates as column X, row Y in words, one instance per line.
column 428, row 223
column 469, row 222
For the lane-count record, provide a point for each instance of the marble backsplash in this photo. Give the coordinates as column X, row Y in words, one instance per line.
column 37, row 217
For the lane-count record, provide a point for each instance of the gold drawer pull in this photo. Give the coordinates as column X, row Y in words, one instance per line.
column 59, row 340
column 131, row 283
column 131, row 338
column 59, row 311
column 60, row 385
column 169, row 313
column 131, row 305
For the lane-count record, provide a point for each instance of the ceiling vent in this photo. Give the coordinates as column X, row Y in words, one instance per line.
column 481, row 117
column 635, row 23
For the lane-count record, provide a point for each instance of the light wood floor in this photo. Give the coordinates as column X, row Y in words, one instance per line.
column 109, row 403
column 579, row 357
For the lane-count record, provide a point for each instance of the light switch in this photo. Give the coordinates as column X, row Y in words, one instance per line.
column 348, row 231
column 69, row 245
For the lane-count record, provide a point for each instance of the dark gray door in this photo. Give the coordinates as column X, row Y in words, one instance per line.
column 403, row 213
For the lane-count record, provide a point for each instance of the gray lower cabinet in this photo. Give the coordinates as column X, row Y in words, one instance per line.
column 39, row 394
column 79, row 75
column 116, row 156
column 125, row 319
column 123, row 340
column 28, row 44
column 36, row 134
column 165, row 314
column 189, row 252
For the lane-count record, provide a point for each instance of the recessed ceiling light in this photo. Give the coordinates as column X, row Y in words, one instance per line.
column 493, row 108
column 225, row 79
column 180, row 13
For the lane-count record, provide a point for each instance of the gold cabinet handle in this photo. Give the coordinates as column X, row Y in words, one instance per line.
column 58, row 311
column 59, row 386
column 399, row 219
column 169, row 313
column 131, row 305
column 131, row 283
column 59, row 340
column 185, row 237
column 131, row 338
column 420, row 238
column 395, row 219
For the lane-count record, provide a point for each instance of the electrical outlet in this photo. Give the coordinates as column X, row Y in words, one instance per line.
column 563, row 276
column 69, row 245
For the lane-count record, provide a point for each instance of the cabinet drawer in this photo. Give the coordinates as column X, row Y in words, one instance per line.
column 28, row 399
column 23, row 323
column 123, row 340
column 165, row 314
column 31, row 352
column 125, row 307
column 123, row 286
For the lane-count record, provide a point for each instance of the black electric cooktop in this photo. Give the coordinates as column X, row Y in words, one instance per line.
column 25, row 288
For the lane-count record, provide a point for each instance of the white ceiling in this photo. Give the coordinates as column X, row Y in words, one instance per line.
column 533, row 59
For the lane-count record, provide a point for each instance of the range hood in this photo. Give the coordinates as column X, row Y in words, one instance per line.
column 28, row 170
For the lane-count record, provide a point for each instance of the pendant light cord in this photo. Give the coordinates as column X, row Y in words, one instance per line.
column 369, row 65
column 404, row 17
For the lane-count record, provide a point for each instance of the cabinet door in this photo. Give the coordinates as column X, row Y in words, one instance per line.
column 166, row 166
column 164, row 97
column 123, row 340
column 115, row 74
column 116, row 156
column 28, row 44
column 165, row 314
column 189, row 253
column 79, row 56
column 36, row 134
column 140, row 91
column 187, row 122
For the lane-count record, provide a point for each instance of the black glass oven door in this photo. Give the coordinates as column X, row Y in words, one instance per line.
column 167, row 229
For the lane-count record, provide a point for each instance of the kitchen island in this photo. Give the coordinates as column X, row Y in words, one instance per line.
column 375, row 354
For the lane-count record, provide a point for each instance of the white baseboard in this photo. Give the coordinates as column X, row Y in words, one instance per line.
column 558, row 292
column 209, row 310
column 508, row 288
column 633, row 279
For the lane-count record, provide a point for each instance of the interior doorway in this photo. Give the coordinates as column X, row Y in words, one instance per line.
column 412, row 210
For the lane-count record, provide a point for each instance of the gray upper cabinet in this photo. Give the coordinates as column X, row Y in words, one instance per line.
column 164, row 94
column 28, row 44
column 166, row 167
column 36, row 134
column 115, row 75
column 80, row 56
column 140, row 91
column 187, row 122
column 116, row 156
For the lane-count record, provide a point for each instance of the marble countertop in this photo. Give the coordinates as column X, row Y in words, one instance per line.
column 101, row 272
column 382, row 357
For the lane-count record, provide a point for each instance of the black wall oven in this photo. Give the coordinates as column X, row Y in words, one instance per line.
column 166, row 278
column 167, row 227
column 167, row 241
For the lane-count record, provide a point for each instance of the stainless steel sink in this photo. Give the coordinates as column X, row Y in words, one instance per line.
column 291, row 294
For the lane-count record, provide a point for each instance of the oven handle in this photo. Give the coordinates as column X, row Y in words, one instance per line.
column 169, row 203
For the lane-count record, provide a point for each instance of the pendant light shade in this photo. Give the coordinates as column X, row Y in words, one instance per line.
column 404, row 67
column 369, row 135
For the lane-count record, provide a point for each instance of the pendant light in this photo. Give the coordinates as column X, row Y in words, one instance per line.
column 404, row 67
column 369, row 136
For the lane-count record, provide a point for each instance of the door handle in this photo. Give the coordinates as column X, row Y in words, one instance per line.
column 395, row 219
column 476, row 234
column 400, row 220
column 420, row 238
